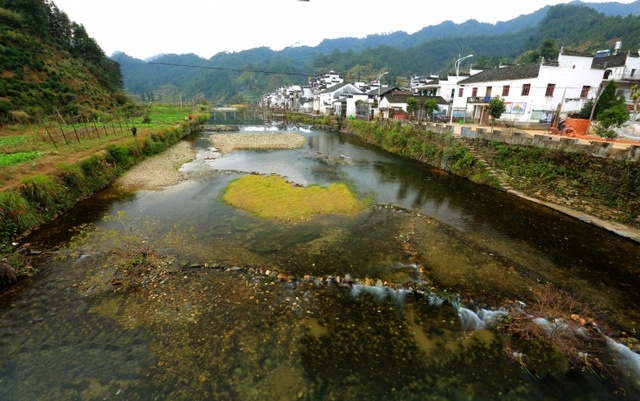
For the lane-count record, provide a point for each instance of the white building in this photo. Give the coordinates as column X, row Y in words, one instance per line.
column 329, row 100
column 538, row 93
column 532, row 93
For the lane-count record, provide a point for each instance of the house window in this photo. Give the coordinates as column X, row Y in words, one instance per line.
column 525, row 89
column 488, row 94
column 585, row 92
column 453, row 92
column 633, row 72
column 505, row 90
column 460, row 92
column 550, row 89
column 474, row 92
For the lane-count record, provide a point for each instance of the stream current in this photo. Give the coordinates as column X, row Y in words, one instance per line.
column 219, row 325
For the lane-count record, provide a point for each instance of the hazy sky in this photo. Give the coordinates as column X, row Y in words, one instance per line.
column 145, row 28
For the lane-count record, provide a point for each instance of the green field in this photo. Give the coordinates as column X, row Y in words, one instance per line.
column 7, row 160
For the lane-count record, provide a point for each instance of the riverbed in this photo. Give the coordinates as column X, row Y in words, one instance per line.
column 401, row 301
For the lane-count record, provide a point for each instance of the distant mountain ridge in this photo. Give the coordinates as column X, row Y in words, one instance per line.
column 446, row 29
column 612, row 8
column 241, row 76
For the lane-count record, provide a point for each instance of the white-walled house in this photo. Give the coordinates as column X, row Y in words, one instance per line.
column 434, row 85
column 623, row 68
column 328, row 100
column 396, row 101
column 375, row 95
column 539, row 93
column 532, row 93
column 325, row 79
column 346, row 105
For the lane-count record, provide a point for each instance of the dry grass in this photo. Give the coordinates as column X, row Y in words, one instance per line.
column 567, row 323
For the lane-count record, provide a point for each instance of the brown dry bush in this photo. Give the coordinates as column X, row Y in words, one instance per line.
column 568, row 324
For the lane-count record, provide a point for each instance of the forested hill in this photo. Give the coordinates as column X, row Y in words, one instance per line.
column 51, row 65
column 228, row 78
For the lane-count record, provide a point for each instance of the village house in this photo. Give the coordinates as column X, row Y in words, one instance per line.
column 543, row 93
column 394, row 104
column 539, row 94
column 324, row 80
column 330, row 100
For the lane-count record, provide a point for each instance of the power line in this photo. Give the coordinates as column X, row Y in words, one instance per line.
column 232, row 69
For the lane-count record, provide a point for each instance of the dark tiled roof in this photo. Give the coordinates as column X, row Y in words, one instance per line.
column 335, row 87
column 617, row 60
column 575, row 53
column 383, row 90
column 504, row 74
column 401, row 97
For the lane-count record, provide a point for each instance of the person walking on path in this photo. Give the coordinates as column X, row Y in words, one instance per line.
column 134, row 131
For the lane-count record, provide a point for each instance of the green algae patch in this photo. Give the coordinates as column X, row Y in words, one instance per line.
column 273, row 198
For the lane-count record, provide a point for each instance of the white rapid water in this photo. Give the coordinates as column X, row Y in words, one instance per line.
column 481, row 320
column 379, row 292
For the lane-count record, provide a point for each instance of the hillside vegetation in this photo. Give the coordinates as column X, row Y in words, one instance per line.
column 51, row 65
column 243, row 77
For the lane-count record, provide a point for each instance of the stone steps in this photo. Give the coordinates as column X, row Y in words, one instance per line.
column 503, row 179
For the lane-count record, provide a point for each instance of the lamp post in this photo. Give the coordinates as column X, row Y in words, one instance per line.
column 457, row 65
column 459, row 61
column 379, row 87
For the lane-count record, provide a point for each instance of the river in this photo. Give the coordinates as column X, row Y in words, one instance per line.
column 399, row 302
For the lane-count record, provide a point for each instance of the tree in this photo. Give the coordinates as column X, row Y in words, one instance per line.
column 611, row 118
column 610, row 111
column 34, row 14
column 412, row 105
column 429, row 106
column 607, row 99
column 85, row 47
column 496, row 108
column 549, row 49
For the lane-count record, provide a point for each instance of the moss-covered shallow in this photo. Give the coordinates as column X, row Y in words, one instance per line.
column 273, row 197
column 247, row 331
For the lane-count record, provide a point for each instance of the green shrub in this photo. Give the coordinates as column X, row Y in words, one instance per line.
column 16, row 216
column 119, row 155
column 41, row 191
column 70, row 175
column 94, row 170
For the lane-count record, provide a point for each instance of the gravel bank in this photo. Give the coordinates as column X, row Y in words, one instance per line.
column 163, row 170
column 160, row 170
column 226, row 143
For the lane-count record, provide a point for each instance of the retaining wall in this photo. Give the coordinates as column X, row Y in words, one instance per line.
column 594, row 148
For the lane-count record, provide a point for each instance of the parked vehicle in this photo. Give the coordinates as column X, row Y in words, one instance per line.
column 439, row 118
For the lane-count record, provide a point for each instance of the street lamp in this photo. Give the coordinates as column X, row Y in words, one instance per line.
column 460, row 60
column 457, row 65
column 379, row 87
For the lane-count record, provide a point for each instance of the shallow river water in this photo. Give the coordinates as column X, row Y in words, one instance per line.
column 400, row 302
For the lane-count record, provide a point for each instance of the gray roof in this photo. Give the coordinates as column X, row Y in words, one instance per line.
column 383, row 90
column 335, row 87
column 401, row 97
column 511, row 73
column 601, row 63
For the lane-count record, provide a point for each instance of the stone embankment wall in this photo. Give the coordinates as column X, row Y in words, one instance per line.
column 593, row 148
